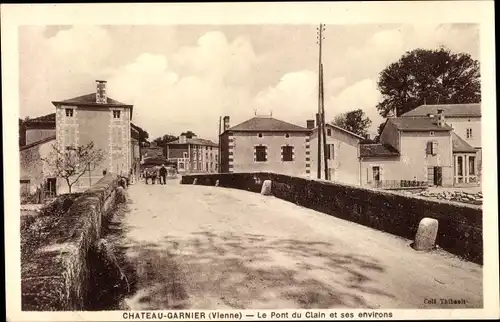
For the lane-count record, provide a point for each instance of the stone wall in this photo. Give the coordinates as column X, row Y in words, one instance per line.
column 460, row 225
column 54, row 277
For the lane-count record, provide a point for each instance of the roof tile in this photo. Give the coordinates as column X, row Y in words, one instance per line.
column 418, row 124
column 472, row 109
column 267, row 124
column 377, row 150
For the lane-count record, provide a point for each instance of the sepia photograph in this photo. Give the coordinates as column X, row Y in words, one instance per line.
column 255, row 170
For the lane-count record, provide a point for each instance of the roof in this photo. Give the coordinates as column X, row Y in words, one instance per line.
column 194, row 141
column 267, row 124
column 459, row 110
column 377, row 150
column 33, row 144
column 460, row 145
column 342, row 130
column 90, row 99
column 44, row 120
column 417, row 124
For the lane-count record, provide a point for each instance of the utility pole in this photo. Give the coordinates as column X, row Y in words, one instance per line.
column 323, row 126
column 321, row 109
column 318, row 118
column 218, row 145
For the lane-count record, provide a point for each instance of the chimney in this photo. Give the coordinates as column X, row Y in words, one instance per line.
column 101, row 97
column 310, row 124
column 182, row 138
column 226, row 123
column 440, row 117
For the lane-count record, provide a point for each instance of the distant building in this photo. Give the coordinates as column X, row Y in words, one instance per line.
column 193, row 155
column 410, row 149
column 152, row 151
column 40, row 128
column 465, row 119
column 264, row 143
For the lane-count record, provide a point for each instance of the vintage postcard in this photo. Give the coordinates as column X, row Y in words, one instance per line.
column 250, row 161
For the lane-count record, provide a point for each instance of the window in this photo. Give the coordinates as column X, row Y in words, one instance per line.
column 431, row 134
column 181, row 165
column 194, row 154
column 287, row 152
column 260, row 154
column 194, row 166
column 376, row 174
column 460, row 170
column 330, row 151
column 329, row 132
column 206, row 155
column 199, row 165
column 469, row 133
column 206, row 166
column 185, row 155
column 116, row 114
column 472, row 165
column 432, row 148
column 69, row 112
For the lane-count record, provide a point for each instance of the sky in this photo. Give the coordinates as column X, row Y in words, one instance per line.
column 184, row 77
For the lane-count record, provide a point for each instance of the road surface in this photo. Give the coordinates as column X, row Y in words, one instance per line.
column 198, row 247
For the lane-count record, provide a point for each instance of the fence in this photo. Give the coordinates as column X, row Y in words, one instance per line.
column 398, row 184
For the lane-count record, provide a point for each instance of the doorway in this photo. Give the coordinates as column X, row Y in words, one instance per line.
column 435, row 176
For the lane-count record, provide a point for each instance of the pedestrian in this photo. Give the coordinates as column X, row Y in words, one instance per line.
column 163, row 174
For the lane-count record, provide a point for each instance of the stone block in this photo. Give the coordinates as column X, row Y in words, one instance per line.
column 425, row 239
column 266, row 188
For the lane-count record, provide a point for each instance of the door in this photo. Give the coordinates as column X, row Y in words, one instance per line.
column 50, row 188
column 376, row 176
column 438, row 176
column 430, row 176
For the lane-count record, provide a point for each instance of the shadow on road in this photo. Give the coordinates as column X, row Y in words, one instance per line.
column 223, row 271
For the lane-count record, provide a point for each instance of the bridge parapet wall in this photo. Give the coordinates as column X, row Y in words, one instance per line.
column 460, row 225
column 56, row 274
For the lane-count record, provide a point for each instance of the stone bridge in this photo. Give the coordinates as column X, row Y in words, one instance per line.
column 206, row 247
column 210, row 246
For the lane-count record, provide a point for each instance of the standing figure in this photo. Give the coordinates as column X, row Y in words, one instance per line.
column 163, row 174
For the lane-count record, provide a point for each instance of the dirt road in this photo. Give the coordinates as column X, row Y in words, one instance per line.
column 196, row 247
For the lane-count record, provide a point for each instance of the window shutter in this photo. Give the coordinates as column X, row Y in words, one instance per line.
column 434, row 147
column 332, row 153
column 381, row 172
column 429, row 148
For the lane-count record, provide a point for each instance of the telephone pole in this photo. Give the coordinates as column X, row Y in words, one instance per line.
column 321, row 109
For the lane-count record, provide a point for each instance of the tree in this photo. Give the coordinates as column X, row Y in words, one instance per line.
column 355, row 121
column 188, row 134
column 163, row 140
column 428, row 77
column 73, row 162
column 379, row 131
column 143, row 135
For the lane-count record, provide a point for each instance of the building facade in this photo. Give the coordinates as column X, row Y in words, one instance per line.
column 193, row 155
column 264, row 143
column 410, row 150
column 465, row 119
column 34, row 173
column 342, row 153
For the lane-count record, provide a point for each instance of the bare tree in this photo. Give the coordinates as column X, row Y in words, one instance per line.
column 71, row 163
